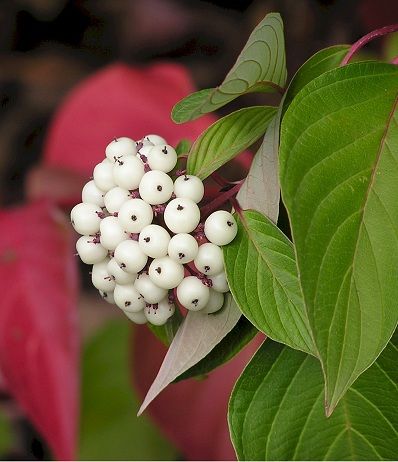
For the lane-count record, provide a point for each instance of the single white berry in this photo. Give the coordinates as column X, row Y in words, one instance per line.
column 209, row 259
column 156, row 187
column 215, row 303
column 193, row 294
column 128, row 172
column 162, row 157
column 166, row 273
column 128, row 298
column 154, row 241
column 107, row 296
column 103, row 175
column 130, row 257
column 115, row 198
column 220, row 227
column 120, row 276
column 90, row 251
column 189, row 186
column 154, row 139
column 92, row 194
column 219, row 282
column 149, row 290
column 182, row 215
column 183, row 248
column 100, row 277
column 159, row 313
column 120, row 147
column 111, row 233
column 85, row 218
column 134, row 215
column 138, row 318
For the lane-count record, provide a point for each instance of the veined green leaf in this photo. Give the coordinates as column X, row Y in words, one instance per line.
column 183, row 147
column 261, row 66
column 276, row 410
column 226, row 138
column 262, row 274
column 339, row 171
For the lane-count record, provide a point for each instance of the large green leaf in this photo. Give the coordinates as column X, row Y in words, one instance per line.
column 262, row 274
column 229, row 346
column 276, row 410
column 109, row 427
column 261, row 66
column 226, row 138
column 339, row 171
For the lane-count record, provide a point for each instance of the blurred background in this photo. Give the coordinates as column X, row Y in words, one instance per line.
column 47, row 48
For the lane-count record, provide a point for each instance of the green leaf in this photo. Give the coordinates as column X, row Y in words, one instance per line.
column 6, row 436
column 229, row 346
column 109, row 427
column 166, row 332
column 183, row 147
column 260, row 191
column 276, row 410
column 261, row 66
column 226, row 138
column 339, row 170
column 262, row 274
column 198, row 334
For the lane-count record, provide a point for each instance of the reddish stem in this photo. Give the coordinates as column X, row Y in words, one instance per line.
column 220, row 200
column 219, row 179
column 366, row 39
column 235, row 204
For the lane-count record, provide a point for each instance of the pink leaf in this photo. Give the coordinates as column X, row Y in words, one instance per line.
column 38, row 325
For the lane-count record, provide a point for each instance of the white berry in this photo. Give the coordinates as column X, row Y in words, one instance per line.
column 166, row 273
column 128, row 172
column 183, row 248
column 134, row 215
column 154, row 241
column 128, row 298
column 138, row 318
column 112, row 234
column 130, row 257
column 107, row 296
column 92, row 194
column 120, row 147
column 144, row 151
column 85, row 218
column 209, row 259
column 103, row 175
column 154, row 139
column 156, row 187
column 100, row 277
column 120, row 276
column 189, row 186
column 162, row 157
column 89, row 251
column 149, row 290
column 220, row 227
column 159, row 313
column 115, row 198
column 219, row 282
column 215, row 303
column 193, row 294
column 182, row 215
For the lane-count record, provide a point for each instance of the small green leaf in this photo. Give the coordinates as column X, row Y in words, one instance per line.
column 109, row 428
column 262, row 274
column 183, row 147
column 260, row 67
column 229, row 346
column 276, row 410
column 226, row 138
column 339, row 170
column 6, row 436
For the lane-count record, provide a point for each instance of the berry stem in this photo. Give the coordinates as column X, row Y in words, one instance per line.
column 235, row 204
column 366, row 39
column 220, row 200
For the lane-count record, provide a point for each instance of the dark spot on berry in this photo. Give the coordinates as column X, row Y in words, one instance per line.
column 159, row 187
column 115, row 140
column 186, row 178
column 127, row 303
column 164, row 150
column 229, row 223
column 158, row 269
column 180, row 207
column 207, row 268
column 122, row 265
column 195, row 302
column 134, row 217
column 104, row 295
column 181, row 255
column 147, row 239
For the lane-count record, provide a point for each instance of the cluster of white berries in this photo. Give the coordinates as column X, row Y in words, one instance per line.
column 142, row 233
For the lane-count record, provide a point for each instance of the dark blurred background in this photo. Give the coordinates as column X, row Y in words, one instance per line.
column 48, row 46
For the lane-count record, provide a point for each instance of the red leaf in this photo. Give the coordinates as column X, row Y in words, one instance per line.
column 38, row 322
